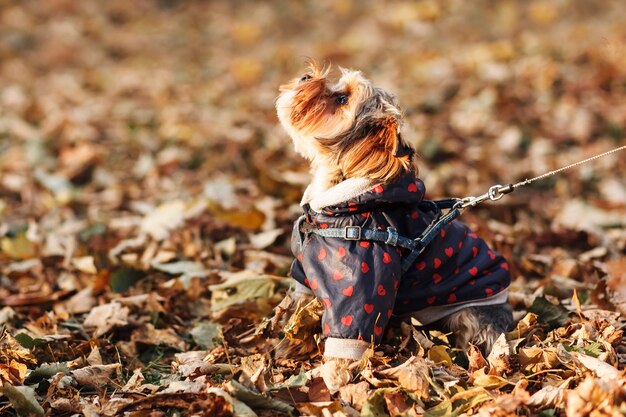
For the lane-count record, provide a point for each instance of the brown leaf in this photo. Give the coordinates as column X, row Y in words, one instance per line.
column 592, row 397
column 96, row 375
column 535, row 359
column 355, row 394
column 104, row 318
column 412, row 375
column 548, row 397
column 336, row 374
column 499, row 357
column 399, row 404
column 318, row 391
column 616, row 282
column 476, row 359
column 202, row 404
column 149, row 335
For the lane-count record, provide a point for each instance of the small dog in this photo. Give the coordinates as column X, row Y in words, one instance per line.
column 364, row 179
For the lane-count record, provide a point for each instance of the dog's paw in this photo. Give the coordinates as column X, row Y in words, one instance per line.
column 480, row 326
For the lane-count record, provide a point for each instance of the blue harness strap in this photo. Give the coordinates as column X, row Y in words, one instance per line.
column 390, row 236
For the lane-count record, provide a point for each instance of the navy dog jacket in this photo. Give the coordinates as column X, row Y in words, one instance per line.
column 361, row 283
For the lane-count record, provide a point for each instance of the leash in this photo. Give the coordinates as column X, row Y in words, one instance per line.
column 454, row 206
column 496, row 192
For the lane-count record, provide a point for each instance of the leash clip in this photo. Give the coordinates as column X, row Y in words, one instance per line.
column 498, row 191
column 495, row 193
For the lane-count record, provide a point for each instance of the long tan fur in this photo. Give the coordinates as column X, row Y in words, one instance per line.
column 356, row 138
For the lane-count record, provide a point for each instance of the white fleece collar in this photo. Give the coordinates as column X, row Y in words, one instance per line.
column 340, row 193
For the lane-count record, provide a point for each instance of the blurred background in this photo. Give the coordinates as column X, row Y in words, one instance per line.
column 147, row 192
column 134, row 133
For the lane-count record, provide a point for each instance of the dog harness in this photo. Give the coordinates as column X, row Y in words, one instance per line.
column 383, row 250
column 390, row 235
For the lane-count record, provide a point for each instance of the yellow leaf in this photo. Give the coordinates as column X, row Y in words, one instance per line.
column 249, row 220
column 439, row 354
column 18, row 246
column 481, row 379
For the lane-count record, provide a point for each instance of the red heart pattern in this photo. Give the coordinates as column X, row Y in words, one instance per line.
column 381, row 291
column 336, row 264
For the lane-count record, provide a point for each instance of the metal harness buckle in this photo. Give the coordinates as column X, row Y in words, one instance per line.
column 352, row 233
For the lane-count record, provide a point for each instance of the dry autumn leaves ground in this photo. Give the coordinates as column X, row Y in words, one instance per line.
column 147, row 195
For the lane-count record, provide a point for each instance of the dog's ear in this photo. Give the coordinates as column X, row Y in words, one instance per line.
column 385, row 133
column 381, row 154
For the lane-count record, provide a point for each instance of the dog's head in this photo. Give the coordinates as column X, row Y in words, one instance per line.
column 348, row 123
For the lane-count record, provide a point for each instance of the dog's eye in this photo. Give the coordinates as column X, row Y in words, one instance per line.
column 305, row 77
column 341, row 99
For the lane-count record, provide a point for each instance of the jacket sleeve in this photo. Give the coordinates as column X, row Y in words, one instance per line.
column 357, row 282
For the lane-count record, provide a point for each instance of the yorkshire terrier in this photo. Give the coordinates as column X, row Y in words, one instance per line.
column 364, row 198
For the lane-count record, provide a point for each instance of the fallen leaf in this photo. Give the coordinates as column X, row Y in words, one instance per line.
column 553, row 314
column 22, row 399
column 602, row 369
column 413, row 375
column 355, row 394
column 255, row 399
column 616, row 282
column 106, row 317
column 499, row 357
column 207, row 335
column 439, row 354
column 335, row 374
column 96, row 375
